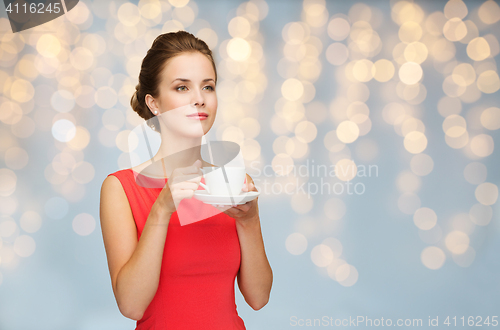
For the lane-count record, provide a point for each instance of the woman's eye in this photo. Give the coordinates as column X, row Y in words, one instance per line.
column 209, row 88
column 181, row 88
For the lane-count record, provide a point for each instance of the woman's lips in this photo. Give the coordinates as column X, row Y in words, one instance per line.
column 198, row 116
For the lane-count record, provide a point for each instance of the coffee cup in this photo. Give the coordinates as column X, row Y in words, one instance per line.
column 223, row 181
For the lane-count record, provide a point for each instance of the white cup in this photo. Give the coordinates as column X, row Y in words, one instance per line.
column 216, row 184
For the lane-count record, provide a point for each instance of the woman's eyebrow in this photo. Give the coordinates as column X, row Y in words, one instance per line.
column 184, row 79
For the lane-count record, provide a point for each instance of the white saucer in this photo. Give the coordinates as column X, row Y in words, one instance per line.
column 242, row 198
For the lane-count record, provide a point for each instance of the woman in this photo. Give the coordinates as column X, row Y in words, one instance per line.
column 166, row 275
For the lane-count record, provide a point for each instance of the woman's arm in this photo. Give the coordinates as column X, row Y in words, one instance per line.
column 255, row 277
column 134, row 265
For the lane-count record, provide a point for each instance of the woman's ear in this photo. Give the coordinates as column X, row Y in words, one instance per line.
column 152, row 103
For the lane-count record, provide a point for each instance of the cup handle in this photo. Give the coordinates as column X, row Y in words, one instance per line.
column 205, row 186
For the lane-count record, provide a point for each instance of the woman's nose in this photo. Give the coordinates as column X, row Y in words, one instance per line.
column 198, row 99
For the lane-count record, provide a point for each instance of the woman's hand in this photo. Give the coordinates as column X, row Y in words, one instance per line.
column 244, row 212
column 182, row 183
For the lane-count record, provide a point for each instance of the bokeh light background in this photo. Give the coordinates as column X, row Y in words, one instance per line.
column 408, row 88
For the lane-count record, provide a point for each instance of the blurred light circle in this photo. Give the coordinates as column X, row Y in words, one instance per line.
column 178, row 3
column 123, row 140
column 81, row 139
column 239, row 27
column 415, row 142
column 421, row 164
column 334, row 266
column 335, row 245
column 454, row 125
column 106, row 97
column 334, row 208
column 358, row 112
column 295, row 32
column 250, row 127
column 10, row 112
column 482, row 145
column 24, row 246
column 449, row 106
column 338, row 28
column 321, row 255
column 113, row 119
column 475, row 173
column 63, row 130
column 363, row 70
column 394, row 113
column 455, row 9
column 408, row 182
column 346, row 169
column 24, row 128
column 209, row 36
column 238, row 49
column 80, row 14
column 8, row 182
column 465, row 259
column 306, row 131
column 81, row 58
column 84, row 96
column 231, row 133
column 26, row 67
column 30, row 221
column 292, row 89
column 22, row 91
column 128, row 14
column 487, row 193
column 481, row 214
column 332, row 143
column 296, row 243
column 63, row 101
column 251, row 149
column 408, row 203
column 8, row 227
column 56, row 208
column 410, row 73
column 432, row 257
column 83, row 172
column 384, row 70
column 84, row 224
column 301, row 203
column 457, row 142
column 410, row 31
column 48, row 45
column 425, row 218
column 488, row 82
column 358, row 92
column 455, row 29
column 490, row 118
column 443, row 50
column 464, row 73
column 457, row 242
column 489, row 12
column 16, row 158
column 412, row 124
column 337, row 53
column 347, row 131
column 478, row 49
column 347, row 275
column 95, row 43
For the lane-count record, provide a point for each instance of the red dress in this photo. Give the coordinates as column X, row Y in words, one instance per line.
column 199, row 266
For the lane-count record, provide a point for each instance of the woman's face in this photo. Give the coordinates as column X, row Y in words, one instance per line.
column 187, row 102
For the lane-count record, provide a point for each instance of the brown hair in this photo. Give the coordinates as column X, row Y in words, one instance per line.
column 165, row 47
